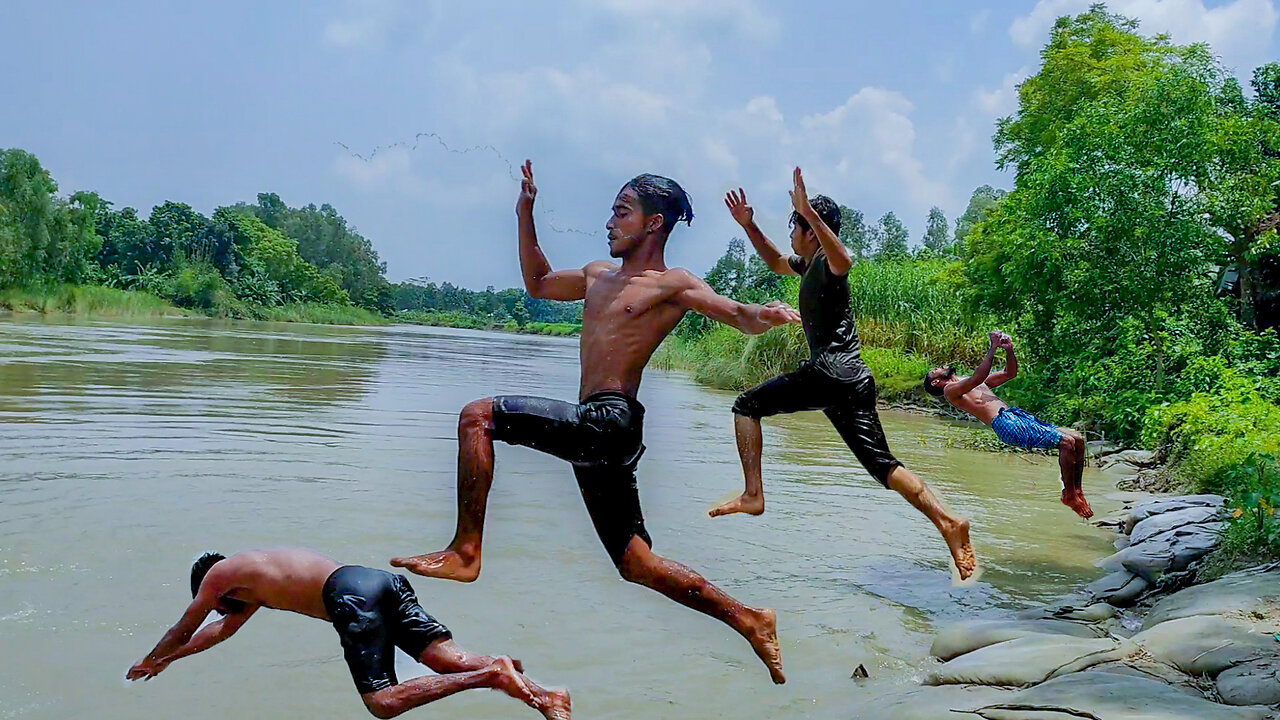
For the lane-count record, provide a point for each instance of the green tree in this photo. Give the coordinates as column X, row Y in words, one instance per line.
column 893, row 238
column 853, row 231
column 269, row 263
column 1128, row 168
column 326, row 240
column 984, row 198
column 936, row 232
column 42, row 237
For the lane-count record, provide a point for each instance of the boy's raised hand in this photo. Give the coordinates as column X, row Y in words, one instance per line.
column 799, row 196
column 739, row 208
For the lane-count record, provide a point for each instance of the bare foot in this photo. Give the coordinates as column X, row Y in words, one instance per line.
column 1074, row 499
column 555, row 705
column 744, row 503
column 957, row 537
column 446, row 564
column 763, row 636
column 510, row 681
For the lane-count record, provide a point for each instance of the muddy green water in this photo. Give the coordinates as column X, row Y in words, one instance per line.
column 125, row 450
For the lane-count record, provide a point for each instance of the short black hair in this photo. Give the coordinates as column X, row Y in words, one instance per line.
column 663, row 195
column 929, row 387
column 200, row 568
column 826, row 208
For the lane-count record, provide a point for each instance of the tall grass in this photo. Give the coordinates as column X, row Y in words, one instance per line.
column 86, row 300
column 917, row 307
column 454, row 319
column 318, row 313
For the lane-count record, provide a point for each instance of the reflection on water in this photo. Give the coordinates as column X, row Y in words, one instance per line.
column 129, row 449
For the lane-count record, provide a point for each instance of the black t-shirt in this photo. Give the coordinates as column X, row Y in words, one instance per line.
column 827, row 317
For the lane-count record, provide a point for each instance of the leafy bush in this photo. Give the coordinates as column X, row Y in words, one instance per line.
column 198, row 285
column 1253, row 488
column 1209, row 434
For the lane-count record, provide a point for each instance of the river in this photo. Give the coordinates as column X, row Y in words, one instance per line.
column 127, row 450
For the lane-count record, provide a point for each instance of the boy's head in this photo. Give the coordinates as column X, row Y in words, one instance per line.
column 199, row 569
column 646, row 205
column 938, row 378
column 803, row 237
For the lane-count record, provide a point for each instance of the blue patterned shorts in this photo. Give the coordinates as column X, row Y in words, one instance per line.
column 1018, row 427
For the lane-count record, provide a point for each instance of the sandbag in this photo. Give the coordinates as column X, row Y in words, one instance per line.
column 1066, row 610
column 1120, row 588
column 1166, row 521
column 960, row 638
column 1205, row 644
column 1148, row 508
column 1169, row 551
column 1251, row 683
column 1109, row 696
column 936, row 703
column 1028, row 660
column 1239, row 592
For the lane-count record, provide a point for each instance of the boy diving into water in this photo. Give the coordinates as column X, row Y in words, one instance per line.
column 834, row 379
column 373, row 611
column 973, row 394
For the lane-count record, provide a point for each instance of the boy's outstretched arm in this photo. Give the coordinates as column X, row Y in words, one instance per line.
column 979, row 376
column 838, row 258
column 539, row 279
column 744, row 214
column 696, row 295
column 1010, row 370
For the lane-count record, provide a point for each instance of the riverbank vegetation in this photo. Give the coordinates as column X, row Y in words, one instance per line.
column 1135, row 262
column 261, row 261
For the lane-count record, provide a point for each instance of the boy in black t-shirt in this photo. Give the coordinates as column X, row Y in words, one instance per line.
column 834, row 379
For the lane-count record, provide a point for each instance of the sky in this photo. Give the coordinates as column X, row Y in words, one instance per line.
column 411, row 117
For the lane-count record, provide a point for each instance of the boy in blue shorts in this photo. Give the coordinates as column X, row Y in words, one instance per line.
column 973, row 394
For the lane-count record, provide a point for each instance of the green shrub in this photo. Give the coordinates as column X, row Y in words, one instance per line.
column 1209, row 434
column 1253, row 494
column 198, row 285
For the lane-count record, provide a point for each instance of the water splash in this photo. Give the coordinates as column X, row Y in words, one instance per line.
column 410, row 146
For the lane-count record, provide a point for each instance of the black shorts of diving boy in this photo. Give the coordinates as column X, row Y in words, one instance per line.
column 601, row 438
column 374, row 613
column 848, row 401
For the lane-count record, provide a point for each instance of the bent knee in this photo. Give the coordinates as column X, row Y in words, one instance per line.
column 381, row 705
column 476, row 416
column 637, row 563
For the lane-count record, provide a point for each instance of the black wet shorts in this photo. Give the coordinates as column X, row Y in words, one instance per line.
column 375, row 612
column 851, row 407
column 601, row 437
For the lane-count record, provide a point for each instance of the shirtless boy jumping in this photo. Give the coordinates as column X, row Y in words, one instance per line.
column 628, row 309
column 973, row 394
column 373, row 611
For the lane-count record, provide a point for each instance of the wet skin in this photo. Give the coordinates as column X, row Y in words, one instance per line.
column 293, row 579
column 981, row 402
column 628, row 310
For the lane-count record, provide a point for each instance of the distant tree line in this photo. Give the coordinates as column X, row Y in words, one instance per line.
column 243, row 255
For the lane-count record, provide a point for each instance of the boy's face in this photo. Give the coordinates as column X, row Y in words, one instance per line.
column 803, row 242
column 940, row 376
column 628, row 225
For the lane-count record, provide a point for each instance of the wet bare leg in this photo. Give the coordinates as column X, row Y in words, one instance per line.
column 498, row 675
column 1071, row 456
column 443, row 656
column 461, row 559
column 750, row 440
column 954, row 529
column 759, row 626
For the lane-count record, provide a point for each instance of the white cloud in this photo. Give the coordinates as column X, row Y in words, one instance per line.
column 1003, row 100
column 583, row 119
column 747, row 17
column 1239, row 31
